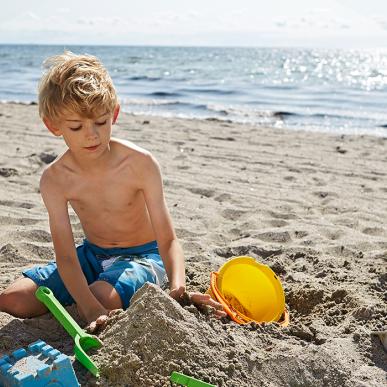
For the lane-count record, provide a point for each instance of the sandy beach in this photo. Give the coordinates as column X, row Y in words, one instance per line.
column 312, row 206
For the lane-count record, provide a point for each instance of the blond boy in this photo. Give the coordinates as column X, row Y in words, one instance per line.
column 115, row 188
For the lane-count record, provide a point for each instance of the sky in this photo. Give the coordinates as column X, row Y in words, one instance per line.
column 283, row 23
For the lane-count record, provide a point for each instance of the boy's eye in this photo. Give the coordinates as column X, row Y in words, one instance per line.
column 75, row 129
column 101, row 123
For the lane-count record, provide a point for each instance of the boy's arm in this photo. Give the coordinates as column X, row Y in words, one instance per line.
column 169, row 247
column 66, row 256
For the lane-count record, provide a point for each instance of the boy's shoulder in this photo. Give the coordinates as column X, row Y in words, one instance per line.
column 128, row 148
column 132, row 155
column 125, row 152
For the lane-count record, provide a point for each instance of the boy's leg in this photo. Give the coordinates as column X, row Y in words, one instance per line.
column 106, row 295
column 19, row 298
column 20, row 301
column 127, row 276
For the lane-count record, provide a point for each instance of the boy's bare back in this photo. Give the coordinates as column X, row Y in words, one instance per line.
column 108, row 198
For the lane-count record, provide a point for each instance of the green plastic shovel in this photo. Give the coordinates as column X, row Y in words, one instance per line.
column 188, row 381
column 83, row 341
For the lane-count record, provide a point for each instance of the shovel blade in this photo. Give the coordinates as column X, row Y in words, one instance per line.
column 83, row 344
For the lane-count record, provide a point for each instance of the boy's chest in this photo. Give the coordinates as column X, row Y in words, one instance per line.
column 103, row 195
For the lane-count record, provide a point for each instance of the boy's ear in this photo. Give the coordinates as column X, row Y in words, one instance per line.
column 115, row 114
column 51, row 127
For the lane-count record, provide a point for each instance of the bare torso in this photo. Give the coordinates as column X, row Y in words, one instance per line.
column 110, row 204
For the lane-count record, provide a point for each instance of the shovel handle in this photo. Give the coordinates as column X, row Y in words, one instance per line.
column 46, row 296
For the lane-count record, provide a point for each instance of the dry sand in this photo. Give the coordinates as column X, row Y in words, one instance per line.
column 312, row 206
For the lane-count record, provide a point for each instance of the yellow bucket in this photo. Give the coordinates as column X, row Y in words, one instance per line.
column 249, row 291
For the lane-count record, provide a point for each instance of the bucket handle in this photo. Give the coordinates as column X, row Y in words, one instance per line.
column 237, row 316
column 229, row 310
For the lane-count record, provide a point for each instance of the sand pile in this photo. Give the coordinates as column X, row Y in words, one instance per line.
column 156, row 336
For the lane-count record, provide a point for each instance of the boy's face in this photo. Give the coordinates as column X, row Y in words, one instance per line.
column 84, row 135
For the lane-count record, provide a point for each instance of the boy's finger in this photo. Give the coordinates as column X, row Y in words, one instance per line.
column 91, row 327
column 101, row 319
column 177, row 292
column 207, row 300
column 220, row 314
column 114, row 312
column 199, row 297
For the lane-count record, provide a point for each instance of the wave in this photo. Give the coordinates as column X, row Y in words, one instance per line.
column 209, row 91
column 149, row 102
column 143, row 78
column 283, row 114
column 164, row 94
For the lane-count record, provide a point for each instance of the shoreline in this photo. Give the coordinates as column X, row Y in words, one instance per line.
column 319, row 130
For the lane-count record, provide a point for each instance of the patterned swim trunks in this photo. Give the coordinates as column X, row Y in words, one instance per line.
column 125, row 268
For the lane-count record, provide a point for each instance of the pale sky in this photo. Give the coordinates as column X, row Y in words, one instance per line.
column 312, row 23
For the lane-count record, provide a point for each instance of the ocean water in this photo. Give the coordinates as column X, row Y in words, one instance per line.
column 339, row 91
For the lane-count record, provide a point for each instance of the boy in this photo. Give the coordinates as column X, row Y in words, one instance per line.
column 115, row 188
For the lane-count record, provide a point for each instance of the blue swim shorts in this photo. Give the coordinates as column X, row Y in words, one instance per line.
column 125, row 268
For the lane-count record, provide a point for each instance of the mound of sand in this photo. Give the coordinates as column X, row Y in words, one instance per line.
column 156, row 336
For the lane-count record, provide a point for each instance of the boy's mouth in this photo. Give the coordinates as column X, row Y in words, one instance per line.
column 91, row 148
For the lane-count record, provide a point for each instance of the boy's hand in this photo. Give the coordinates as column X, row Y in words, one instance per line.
column 99, row 322
column 200, row 300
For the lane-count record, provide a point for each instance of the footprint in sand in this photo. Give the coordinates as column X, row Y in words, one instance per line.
column 246, row 250
column 183, row 233
column 373, row 231
column 223, row 138
column 11, row 253
column 202, row 192
column 37, row 253
column 325, row 194
column 233, row 214
column 7, row 220
column 8, row 172
column 282, row 215
column 347, row 222
column 274, row 236
column 299, row 234
column 223, row 197
column 43, row 158
column 332, row 234
column 47, row 157
column 277, row 223
column 319, row 182
column 35, row 236
column 9, row 203
column 304, row 299
column 366, row 189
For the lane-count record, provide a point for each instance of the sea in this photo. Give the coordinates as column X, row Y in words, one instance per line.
column 328, row 90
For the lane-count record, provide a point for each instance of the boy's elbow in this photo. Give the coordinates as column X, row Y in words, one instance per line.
column 65, row 261
column 168, row 243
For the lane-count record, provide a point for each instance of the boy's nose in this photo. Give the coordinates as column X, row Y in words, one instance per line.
column 91, row 132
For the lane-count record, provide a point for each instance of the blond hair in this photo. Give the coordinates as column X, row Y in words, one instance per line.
column 76, row 83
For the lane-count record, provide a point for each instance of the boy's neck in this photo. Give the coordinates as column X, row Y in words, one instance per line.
column 93, row 165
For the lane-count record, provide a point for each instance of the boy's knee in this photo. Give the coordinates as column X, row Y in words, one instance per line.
column 20, row 303
column 10, row 302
